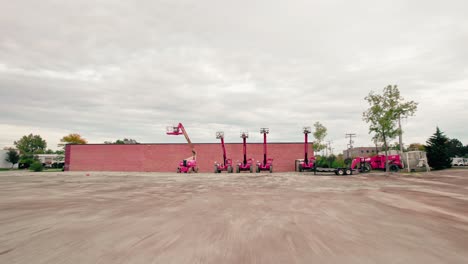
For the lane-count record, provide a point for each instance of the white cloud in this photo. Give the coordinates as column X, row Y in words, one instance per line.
column 110, row 70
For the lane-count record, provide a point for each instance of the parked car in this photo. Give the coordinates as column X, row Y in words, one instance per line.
column 456, row 162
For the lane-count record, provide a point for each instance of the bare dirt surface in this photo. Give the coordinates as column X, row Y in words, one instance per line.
column 106, row 217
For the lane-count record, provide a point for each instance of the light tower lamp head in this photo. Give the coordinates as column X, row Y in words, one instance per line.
column 264, row 130
column 306, row 130
column 219, row 134
column 244, row 134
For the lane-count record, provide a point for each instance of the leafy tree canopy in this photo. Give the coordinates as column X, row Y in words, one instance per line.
column 31, row 144
column 319, row 134
column 383, row 113
column 123, row 141
column 455, row 148
column 72, row 139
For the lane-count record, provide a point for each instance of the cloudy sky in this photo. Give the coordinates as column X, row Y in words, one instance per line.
column 110, row 69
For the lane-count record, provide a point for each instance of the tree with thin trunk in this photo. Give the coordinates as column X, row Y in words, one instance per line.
column 319, row 134
column 384, row 112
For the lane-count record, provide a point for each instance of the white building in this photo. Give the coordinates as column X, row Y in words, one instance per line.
column 49, row 160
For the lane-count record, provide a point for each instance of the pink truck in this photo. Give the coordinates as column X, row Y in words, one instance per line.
column 366, row 164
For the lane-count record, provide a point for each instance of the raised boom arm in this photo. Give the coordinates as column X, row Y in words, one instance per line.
column 179, row 129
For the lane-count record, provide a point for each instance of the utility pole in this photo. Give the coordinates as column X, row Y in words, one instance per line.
column 400, row 136
column 350, row 145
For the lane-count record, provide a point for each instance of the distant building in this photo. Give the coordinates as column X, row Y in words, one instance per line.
column 360, row 152
column 51, row 160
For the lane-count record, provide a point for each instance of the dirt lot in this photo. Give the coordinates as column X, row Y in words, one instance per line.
column 248, row 218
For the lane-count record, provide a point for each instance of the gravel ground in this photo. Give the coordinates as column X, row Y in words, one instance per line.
column 104, row 217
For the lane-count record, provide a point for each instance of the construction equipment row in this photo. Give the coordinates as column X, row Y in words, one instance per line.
column 361, row 164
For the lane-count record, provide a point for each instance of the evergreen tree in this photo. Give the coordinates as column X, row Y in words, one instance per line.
column 437, row 148
column 455, row 148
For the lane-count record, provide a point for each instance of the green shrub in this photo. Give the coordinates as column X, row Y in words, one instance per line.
column 36, row 166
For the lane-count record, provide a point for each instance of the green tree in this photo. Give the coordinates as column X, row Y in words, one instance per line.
column 49, row 151
column 12, row 157
column 72, row 139
column 416, row 147
column 384, row 112
column 122, row 141
column 36, row 166
column 26, row 159
column 330, row 160
column 455, row 148
column 319, row 135
column 339, row 162
column 31, row 144
column 437, row 149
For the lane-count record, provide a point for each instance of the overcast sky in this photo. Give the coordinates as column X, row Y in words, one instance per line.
column 113, row 69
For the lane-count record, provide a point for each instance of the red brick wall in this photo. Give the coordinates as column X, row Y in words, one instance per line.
column 166, row 157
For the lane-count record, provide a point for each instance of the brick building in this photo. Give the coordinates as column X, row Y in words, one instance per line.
column 166, row 157
column 360, row 152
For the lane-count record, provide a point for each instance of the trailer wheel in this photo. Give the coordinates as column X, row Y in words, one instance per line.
column 251, row 168
column 300, row 168
column 178, row 170
column 271, row 168
column 196, row 169
column 258, row 169
column 348, row 172
column 393, row 168
column 230, row 170
column 340, row 172
column 237, row 169
column 215, row 169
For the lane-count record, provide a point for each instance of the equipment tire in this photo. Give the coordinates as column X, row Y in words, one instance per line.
column 251, row 168
column 215, row 169
column 229, row 170
column 348, row 171
column 271, row 168
column 178, row 170
column 340, row 172
column 237, row 169
column 258, row 169
column 393, row 168
column 366, row 167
